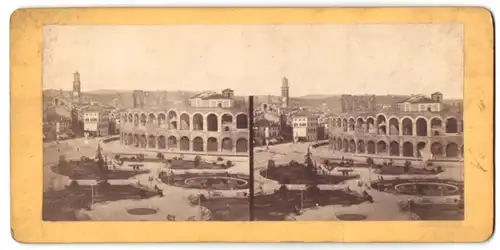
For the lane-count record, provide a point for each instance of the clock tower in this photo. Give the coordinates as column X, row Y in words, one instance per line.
column 76, row 87
column 284, row 93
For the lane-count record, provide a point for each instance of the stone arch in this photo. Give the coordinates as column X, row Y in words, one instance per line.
column 130, row 118
column 339, row 144
column 197, row 121
column 143, row 119
column 130, row 139
column 151, row 119
column 360, row 123
column 339, row 122
column 184, row 122
column 198, row 144
column 212, row 145
column 437, row 149
column 452, row 150
column 451, row 125
column 370, row 123
column 227, row 122
column 172, row 142
column 436, row 125
column 227, row 145
column 242, row 121
column 381, row 124
column 242, row 145
column 345, row 145
column 143, row 141
column 421, row 126
column 172, row 119
column 352, row 124
column 420, row 146
column 344, row 125
column 408, row 149
column 381, row 147
column 352, row 146
column 162, row 118
column 161, row 142
column 407, row 124
column 151, row 141
column 394, row 148
column 393, row 126
column 212, row 122
column 136, row 140
column 184, row 143
column 136, row 119
column 361, row 147
column 370, row 147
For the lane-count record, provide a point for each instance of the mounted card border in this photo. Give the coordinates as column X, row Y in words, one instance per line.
column 26, row 130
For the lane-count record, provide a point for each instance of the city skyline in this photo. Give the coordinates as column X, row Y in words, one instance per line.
column 324, row 55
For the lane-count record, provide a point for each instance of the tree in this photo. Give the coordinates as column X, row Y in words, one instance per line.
column 229, row 163
column 369, row 161
column 309, row 162
column 326, row 162
column 197, row 160
column 407, row 166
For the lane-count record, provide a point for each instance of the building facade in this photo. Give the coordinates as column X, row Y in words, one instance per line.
column 266, row 132
column 416, row 135
column 95, row 121
column 305, row 127
column 198, row 126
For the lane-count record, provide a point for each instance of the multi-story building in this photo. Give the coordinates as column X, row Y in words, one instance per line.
column 420, row 103
column 412, row 133
column 305, row 127
column 266, row 132
column 208, row 123
column 95, row 121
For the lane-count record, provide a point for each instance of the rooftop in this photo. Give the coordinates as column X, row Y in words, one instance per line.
column 418, row 99
column 208, row 95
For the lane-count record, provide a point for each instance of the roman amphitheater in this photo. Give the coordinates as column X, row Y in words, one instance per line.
column 399, row 135
column 186, row 130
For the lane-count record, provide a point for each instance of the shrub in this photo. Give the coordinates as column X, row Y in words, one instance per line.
column 429, row 164
column 140, row 157
column 229, row 163
column 271, row 164
column 133, row 158
column 406, row 169
column 197, row 160
column 160, row 156
column 369, row 161
column 408, row 164
column 326, row 162
column 439, row 169
column 220, row 158
column 214, row 163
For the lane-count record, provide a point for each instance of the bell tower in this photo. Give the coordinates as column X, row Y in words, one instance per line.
column 284, row 93
column 76, row 87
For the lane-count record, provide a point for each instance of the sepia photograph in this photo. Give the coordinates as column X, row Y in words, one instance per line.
column 139, row 124
column 360, row 123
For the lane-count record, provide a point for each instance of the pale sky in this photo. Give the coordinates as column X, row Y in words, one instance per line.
column 252, row 59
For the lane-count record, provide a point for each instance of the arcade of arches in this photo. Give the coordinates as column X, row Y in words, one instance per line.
column 395, row 148
column 184, row 143
column 392, row 125
column 173, row 120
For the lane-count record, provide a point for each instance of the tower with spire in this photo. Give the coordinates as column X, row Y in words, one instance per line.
column 76, row 87
column 285, row 98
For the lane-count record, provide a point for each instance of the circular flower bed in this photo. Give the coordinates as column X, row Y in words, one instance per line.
column 142, row 211
column 422, row 187
column 216, row 181
column 351, row 217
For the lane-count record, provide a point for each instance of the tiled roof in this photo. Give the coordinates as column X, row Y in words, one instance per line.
column 207, row 95
column 419, row 99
